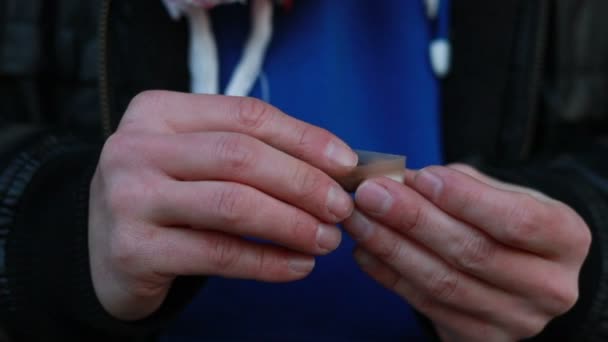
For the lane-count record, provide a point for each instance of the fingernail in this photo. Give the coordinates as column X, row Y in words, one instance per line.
column 428, row 183
column 358, row 226
column 374, row 198
column 338, row 153
column 301, row 264
column 328, row 237
column 364, row 259
column 339, row 203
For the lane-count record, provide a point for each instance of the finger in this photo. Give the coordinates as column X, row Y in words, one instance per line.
column 172, row 112
column 471, row 171
column 177, row 251
column 240, row 158
column 410, row 176
column 460, row 325
column 436, row 280
column 241, row 210
column 513, row 218
column 468, row 249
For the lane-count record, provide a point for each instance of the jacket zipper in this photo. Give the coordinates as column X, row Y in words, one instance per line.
column 104, row 86
column 538, row 64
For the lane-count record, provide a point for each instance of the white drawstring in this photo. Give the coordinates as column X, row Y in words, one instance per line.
column 264, row 87
column 203, row 61
column 250, row 65
column 437, row 12
column 432, row 8
column 203, row 56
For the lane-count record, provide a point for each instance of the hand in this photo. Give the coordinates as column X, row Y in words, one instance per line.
column 484, row 260
column 186, row 177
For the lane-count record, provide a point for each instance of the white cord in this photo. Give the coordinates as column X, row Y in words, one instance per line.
column 264, row 87
column 432, row 8
column 173, row 8
column 203, row 57
column 203, row 60
column 250, row 65
column 441, row 54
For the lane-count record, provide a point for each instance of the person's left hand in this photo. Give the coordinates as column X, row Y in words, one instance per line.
column 484, row 260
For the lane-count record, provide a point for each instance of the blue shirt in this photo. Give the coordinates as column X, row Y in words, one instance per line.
column 360, row 69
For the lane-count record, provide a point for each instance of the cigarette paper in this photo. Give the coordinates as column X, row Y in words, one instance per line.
column 373, row 164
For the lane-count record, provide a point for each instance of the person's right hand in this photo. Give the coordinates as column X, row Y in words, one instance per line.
column 187, row 178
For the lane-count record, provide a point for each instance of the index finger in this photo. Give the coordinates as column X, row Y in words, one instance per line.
column 172, row 112
column 514, row 218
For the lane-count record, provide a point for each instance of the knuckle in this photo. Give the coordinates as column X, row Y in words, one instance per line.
column 252, row 113
column 411, row 217
column 265, row 265
column 468, row 200
column 307, row 182
column 235, row 152
column 261, row 263
column 527, row 219
column 121, row 199
column 484, row 330
column 582, row 240
column 562, row 296
column 230, row 202
column 125, row 249
column 304, row 135
column 118, row 151
column 396, row 284
column 144, row 101
column 579, row 233
column 120, row 249
column 424, row 303
column 389, row 251
column 488, row 331
column 443, row 285
column 224, row 253
column 302, row 228
column 464, row 168
column 269, row 265
column 530, row 326
column 128, row 196
column 475, row 253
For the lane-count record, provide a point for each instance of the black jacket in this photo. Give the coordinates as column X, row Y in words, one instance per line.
column 526, row 101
